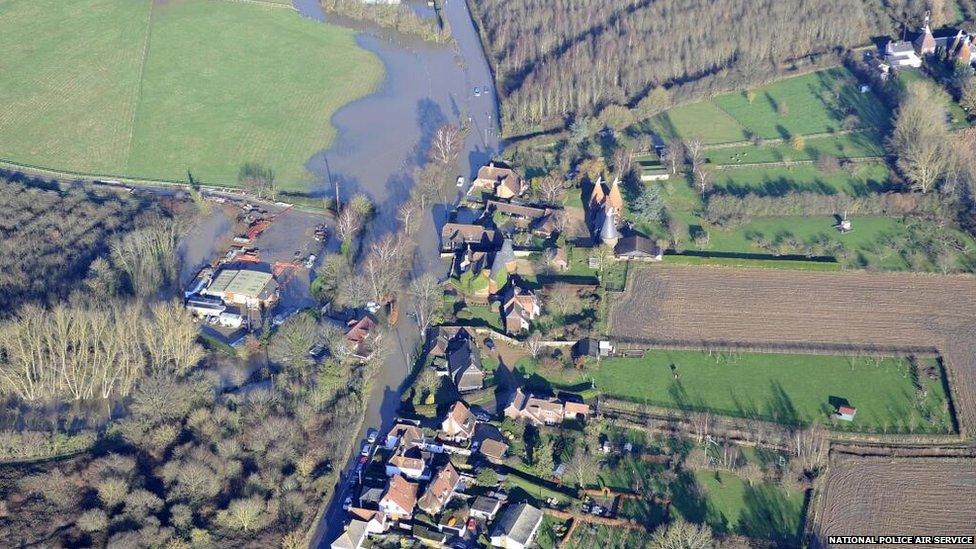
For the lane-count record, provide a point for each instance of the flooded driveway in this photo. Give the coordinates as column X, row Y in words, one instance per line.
column 381, row 139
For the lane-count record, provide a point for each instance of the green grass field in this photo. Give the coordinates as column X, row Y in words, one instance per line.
column 154, row 89
column 841, row 146
column 782, row 387
column 812, row 103
column 776, row 180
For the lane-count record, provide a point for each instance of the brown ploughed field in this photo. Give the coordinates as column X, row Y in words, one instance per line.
column 882, row 497
column 700, row 306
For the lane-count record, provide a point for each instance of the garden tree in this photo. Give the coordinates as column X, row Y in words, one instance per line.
column 385, row 266
column 580, row 129
column 428, row 382
column 682, row 535
column 617, row 117
column 623, row 162
column 593, row 168
column 408, row 215
column 694, row 149
column 258, row 179
column 348, row 224
column 967, row 96
column 649, row 204
column 329, row 276
column 674, row 155
column 427, row 300
column 291, row 342
column 534, row 344
column 828, row 164
column 487, row 477
column 582, row 468
column 562, row 300
column 542, row 458
column 551, row 189
column 677, row 231
column 703, row 180
column 603, row 255
column 430, row 180
column 446, row 144
column 920, row 136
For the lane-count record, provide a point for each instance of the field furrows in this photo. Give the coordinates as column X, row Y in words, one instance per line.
column 883, row 497
column 770, row 307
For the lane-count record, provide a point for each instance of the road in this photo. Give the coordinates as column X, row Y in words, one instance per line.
column 425, row 86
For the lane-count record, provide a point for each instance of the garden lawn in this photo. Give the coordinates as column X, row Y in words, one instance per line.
column 802, row 105
column 729, row 504
column 864, row 178
column 704, row 120
column 779, row 387
column 157, row 89
column 854, row 145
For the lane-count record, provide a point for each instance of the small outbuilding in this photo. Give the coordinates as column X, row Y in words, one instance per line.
column 845, row 413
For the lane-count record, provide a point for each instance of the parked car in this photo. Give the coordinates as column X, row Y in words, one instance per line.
column 347, row 503
column 367, row 447
column 489, row 343
column 310, row 261
column 371, row 435
column 477, row 91
column 363, row 459
column 460, row 181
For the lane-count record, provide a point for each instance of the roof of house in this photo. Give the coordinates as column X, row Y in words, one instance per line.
column 459, row 420
column 530, row 212
column 440, row 489
column 406, row 434
column 493, row 449
column 614, row 198
column 578, row 408
column 518, row 522
column 901, row 46
column 528, row 404
column 468, row 233
column 360, row 329
column 597, row 196
column 371, row 495
column 486, row 504
column 246, row 282
column 352, row 537
column 496, row 173
column 609, row 229
column 586, row 347
column 925, row 40
column 503, row 258
column 636, row 246
column 847, row 410
column 402, row 492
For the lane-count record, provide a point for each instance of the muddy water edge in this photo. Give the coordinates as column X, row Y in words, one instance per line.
column 381, row 139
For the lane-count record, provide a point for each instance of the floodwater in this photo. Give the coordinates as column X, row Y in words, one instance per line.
column 381, row 139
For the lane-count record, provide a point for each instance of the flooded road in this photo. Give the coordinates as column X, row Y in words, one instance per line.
column 381, row 139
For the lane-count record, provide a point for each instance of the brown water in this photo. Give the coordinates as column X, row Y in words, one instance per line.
column 381, row 139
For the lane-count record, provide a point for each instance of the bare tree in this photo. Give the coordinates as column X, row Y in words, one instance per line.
column 534, row 344
column 409, row 217
column 674, row 155
column 347, row 224
column 427, row 298
column 693, row 149
column 682, row 535
column 701, row 424
column 810, row 446
column 446, row 144
column 551, row 189
column 258, row 179
column 703, row 180
column 920, row 136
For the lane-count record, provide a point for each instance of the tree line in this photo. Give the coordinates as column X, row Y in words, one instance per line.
column 582, row 56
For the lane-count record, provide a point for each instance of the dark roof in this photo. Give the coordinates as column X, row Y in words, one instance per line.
column 586, row 347
column 503, row 257
column 517, row 209
column 464, row 361
column 636, row 246
column 518, row 522
column 455, row 234
column 485, row 504
column 901, row 47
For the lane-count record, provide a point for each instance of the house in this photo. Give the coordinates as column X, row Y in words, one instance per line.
column 202, row 306
column 536, row 410
column 409, row 462
column 638, row 248
column 485, row 508
column 404, row 435
column 901, row 54
column 400, row 498
column 589, row 348
column 607, row 224
column 845, row 413
column 361, row 336
column 489, row 442
column 249, row 287
column 493, row 450
column 352, row 537
column 455, row 236
column 375, row 520
column 575, row 410
column 538, row 221
column 464, row 366
column 500, row 180
column 459, row 424
column 440, row 491
column 925, row 42
column 519, row 309
column 440, row 338
column 467, row 259
column 517, row 527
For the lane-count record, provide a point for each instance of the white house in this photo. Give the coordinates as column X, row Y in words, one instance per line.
column 901, row 54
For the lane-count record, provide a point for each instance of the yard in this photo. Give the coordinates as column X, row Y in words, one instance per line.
column 155, row 89
column 790, row 388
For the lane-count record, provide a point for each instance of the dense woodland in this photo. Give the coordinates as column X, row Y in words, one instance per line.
column 49, row 236
column 577, row 57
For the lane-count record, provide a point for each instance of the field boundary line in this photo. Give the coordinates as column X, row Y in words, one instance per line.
column 265, row 3
column 142, row 77
column 787, row 163
column 841, row 349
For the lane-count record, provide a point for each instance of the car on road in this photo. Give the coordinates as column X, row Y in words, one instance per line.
column 347, row 503
column 359, row 469
column 310, row 261
column 367, row 448
column 371, row 435
column 363, row 459
column 477, row 91
column 489, row 343
column 460, row 181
